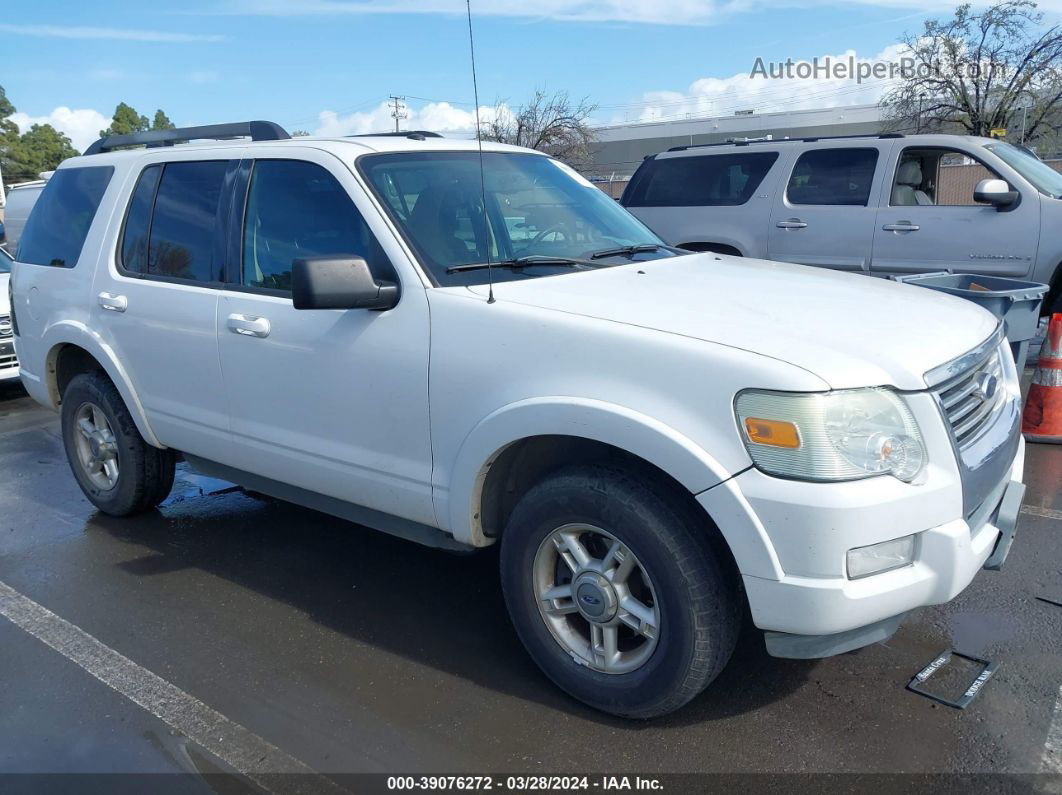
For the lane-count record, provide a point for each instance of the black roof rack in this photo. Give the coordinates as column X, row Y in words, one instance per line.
column 416, row 135
column 255, row 130
column 811, row 139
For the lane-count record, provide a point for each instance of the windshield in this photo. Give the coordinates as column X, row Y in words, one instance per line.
column 5, row 261
column 536, row 207
column 1044, row 178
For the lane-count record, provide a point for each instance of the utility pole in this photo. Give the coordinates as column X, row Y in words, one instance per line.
column 398, row 111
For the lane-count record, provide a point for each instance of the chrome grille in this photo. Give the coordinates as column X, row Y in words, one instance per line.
column 972, row 399
column 5, row 327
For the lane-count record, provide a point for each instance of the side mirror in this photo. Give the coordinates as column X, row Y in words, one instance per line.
column 339, row 283
column 995, row 192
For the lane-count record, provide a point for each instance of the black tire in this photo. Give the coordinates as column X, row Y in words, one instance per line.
column 145, row 473
column 696, row 586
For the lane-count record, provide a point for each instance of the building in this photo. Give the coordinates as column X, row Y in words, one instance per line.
column 621, row 148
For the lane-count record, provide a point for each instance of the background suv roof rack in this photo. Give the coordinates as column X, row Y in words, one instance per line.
column 416, row 135
column 810, row 139
column 255, row 130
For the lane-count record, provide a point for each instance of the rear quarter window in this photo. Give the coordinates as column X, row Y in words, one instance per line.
column 699, row 181
column 56, row 230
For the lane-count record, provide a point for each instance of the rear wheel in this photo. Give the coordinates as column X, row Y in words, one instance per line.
column 118, row 471
column 623, row 596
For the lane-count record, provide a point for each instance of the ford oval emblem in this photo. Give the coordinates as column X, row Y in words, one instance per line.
column 987, row 385
column 590, row 599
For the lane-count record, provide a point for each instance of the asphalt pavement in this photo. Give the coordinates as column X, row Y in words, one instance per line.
column 226, row 628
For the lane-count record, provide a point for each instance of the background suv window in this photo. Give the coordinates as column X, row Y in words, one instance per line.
column 833, row 176
column 298, row 210
column 60, row 221
column 702, row 181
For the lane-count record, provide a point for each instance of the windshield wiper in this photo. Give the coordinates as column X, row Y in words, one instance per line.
column 523, row 262
column 626, row 251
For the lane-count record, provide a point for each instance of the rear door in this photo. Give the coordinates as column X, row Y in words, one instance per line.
column 707, row 199
column 929, row 221
column 155, row 301
column 824, row 213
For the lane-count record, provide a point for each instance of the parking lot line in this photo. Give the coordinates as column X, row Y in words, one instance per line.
column 1043, row 513
column 243, row 750
column 1052, row 761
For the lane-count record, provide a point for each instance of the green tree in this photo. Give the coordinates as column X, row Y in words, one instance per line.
column 7, row 127
column 40, row 148
column 162, row 121
column 125, row 121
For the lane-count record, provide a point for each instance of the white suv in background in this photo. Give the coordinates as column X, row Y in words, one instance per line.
column 8, row 360
column 655, row 438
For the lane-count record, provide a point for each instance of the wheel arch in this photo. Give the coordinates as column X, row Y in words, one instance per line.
column 522, row 442
column 73, row 349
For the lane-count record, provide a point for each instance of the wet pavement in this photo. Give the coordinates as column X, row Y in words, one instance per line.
column 356, row 652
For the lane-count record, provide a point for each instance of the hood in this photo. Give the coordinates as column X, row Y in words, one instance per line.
column 850, row 330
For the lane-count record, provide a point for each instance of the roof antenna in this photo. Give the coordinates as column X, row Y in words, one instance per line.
column 479, row 141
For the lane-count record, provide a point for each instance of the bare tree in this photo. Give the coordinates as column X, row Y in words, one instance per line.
column 551, row 123
column 977, row 72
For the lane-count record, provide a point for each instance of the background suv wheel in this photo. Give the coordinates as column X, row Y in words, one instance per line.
column 623, row 595
column 118, row 471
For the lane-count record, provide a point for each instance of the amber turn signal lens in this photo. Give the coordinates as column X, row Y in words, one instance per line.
column 775, row 433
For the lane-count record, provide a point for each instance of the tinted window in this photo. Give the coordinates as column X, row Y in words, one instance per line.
column 297, row 210
column 701, row 181
column 138, row 221
column 184, row 221
column 60, row 221
column 5, row 261
column 833, row 176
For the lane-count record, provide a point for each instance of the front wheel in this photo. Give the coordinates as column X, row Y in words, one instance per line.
column 623, row 595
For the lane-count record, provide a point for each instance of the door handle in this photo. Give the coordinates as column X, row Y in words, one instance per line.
column 901, row 226
column 792, row 223
column 113, row 303
column 248, row 325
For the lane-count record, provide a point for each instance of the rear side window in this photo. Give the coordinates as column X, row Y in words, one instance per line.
column 699, row 181
column 62, row 216
column 833, row 176
column 184, row 221
column 138, row 221
column 299, row 210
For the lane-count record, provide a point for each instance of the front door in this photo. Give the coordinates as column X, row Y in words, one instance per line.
column 825, row 216
column 929, row 221
column 333, row 401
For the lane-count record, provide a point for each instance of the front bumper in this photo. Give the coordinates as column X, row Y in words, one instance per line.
column 808, row 528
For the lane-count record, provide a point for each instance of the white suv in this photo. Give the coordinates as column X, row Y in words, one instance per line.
column 654, row 438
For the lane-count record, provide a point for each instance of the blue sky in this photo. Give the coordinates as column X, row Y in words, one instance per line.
column 207, row 61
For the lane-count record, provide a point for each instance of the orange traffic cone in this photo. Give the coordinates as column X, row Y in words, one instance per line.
column 1042, row 418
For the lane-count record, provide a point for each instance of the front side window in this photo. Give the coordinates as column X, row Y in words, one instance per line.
column 937, row 177
column 535, row 208
column 1044, row 178
column 833, row 177
column 59, row 223
column 298, row 210
column 719, row 180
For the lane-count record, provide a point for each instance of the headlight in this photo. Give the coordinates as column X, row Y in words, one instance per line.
column 842, row 435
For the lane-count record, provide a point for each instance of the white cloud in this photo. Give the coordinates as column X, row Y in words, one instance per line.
column 435, row 116
column 714, row 96
column 118, row 34
column 662, row 12
column 81, row 126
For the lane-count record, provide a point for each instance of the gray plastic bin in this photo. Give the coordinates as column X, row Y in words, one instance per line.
column 1014, row 301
